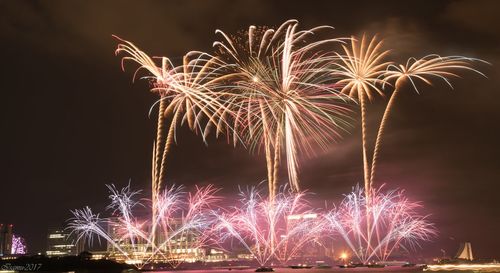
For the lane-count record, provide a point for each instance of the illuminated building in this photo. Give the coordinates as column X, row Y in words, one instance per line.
column 59, row 243
column 216, row 255
column 182, row 247
column 18, row 245
column 5, row 239
column 465, row 252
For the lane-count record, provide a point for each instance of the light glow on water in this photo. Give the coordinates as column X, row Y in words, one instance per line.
column 493, row 267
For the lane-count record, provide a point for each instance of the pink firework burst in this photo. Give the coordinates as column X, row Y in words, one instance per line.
column 180, row 221
column 271, row 229
column 373, row 231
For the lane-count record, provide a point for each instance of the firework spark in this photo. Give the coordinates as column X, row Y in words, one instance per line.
column 424, row 69
column 392, row 220
column 180, row 221
column 276, row 229
column 284, row 98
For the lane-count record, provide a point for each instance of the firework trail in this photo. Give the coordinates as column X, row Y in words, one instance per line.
column 180, row 221
column 188, row 94
column 392, row 219
column 359, row 71
column 159, row 76
column 284, row 98
column 276, row 229
column 194, row 99
column 424, row 69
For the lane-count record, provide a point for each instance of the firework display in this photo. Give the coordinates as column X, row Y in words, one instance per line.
column 373, row 228
column 276, row 90
column 288, row 93
column 179, row 222
column 283, row 94
column 270, row 229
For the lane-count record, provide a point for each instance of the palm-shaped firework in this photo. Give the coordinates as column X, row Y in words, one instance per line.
column 359, row 71
column 424, row 69
column 187, row 95
column 283, row 96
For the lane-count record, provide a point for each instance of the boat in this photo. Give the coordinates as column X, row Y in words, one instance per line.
column 382, row 268
column 232, row 267
column 376, row 265
column 352, row 265
column 323, row 266
column 264, row 269
column 301, row 266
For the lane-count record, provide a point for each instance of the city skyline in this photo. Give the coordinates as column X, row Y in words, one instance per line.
column 76, row 122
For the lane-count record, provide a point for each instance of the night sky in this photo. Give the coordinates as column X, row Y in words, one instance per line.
column 73, row 121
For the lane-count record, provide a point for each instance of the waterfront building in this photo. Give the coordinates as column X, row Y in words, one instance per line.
column 183, row 247
column 465, row 252
column 6, row 239
column 60, row 243
column 216, row 255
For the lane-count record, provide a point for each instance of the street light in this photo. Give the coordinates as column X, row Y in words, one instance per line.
column 344, row 257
